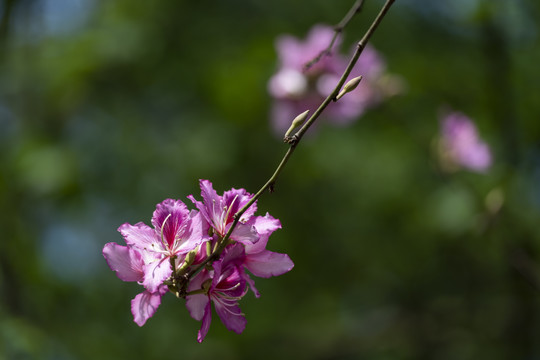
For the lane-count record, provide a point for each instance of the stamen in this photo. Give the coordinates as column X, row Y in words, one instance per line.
column 230, row 298
column 226, row 307
column 165, row 245
column 224, row 275
column 214, row 212
column 160, row 261
column 229, row 209
column 231, row 288
column 160, row 251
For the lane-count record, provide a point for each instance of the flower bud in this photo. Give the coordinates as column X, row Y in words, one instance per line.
column 190, row 257
column 208, row 248
column 297, row 122
column 349, row 86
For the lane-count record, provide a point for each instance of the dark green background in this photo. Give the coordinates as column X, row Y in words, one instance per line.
column 107, row 107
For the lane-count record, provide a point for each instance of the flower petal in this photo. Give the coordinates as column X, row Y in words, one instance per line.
column 155, row 273
column 290, row 51
column 251, row 284
column 196, row 304
column 245, row 234
column 202, row 208
column 233, row 256
column 145, row 304
column 205, row 326
column 267, row 263
column 231, row 316
column 265, row 226
column 127, row 262
column 195, row 234
column 234, row 200
column 199, row 306
column 166, row 208
column 139, row 235
column 211, row 200
column 169, row 219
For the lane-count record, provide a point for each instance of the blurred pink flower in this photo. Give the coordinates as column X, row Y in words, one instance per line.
column 461, row 146
column 296, row 89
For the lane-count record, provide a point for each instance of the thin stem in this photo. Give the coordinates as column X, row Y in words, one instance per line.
column 298, row 136
column 359, row 48
column 196, row 292
column 226, row 239
column 338, row 29
column 269, row 185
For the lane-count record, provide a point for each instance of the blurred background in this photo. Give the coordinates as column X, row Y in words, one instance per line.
column 109, row 107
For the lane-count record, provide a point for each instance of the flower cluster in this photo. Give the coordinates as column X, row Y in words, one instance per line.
column 189, row 253
column 460, row 145
column 297, row 88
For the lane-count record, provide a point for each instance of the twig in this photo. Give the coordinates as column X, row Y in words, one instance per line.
column 338, row 29
column 295, row 140
column 359, row 48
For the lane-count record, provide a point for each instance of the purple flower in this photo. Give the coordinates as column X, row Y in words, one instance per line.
column 225, row 285
column 169, row 255
column 176, row 231
column 147, row 258
column 218, row 211
column 129, row 265
column 296, row 89
column 461, row 146
column 261, row 262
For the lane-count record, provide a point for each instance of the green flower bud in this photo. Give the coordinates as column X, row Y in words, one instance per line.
column 190, row 257
column 349, row 86
column 208, row 248
column 299, row 120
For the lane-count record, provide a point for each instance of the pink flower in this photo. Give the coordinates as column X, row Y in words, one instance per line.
column 261, row 262
column 128, row 263
column 295, row 89
column 218, row 212
column 170, row 254
column 224, row 286
column 176, row 232
column 461, row 146
column 147, row 258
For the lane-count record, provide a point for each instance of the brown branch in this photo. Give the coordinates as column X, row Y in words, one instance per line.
column 338, row 29
column 295, row 139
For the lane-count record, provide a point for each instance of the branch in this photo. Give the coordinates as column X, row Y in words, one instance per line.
column 359, row 48
column 295, row 140
column 338, row 29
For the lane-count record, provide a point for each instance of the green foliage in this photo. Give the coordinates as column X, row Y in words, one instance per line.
column 395, row 259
